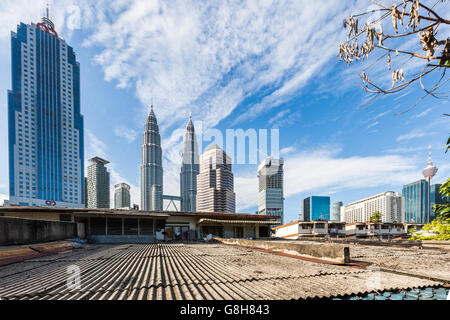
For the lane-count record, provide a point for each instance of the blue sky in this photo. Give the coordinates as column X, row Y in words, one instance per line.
column 252, row 65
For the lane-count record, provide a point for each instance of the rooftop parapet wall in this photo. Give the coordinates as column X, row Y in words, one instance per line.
column 26, row 231
column 331, row 253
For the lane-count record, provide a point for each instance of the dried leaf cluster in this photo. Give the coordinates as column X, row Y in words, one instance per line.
column 423, row 21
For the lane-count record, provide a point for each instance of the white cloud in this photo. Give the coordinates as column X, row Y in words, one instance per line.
column 209, row 56
column 417, row 133
column 3, row 197
column 287, row 150
column 96, row 147
column 406, row 149
column 126, row 133
column 325, row 171
column 424, row 113
column 373, row 124
column 246, row 189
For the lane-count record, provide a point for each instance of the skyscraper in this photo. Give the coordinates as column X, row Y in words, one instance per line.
column 337, row 211
column 415, row 202
column 436, row 198
column 151, row 167
column 98, row 184
column 215, row 182
column 122, row 195
column 189, row 169
column 315, row 208
column 271, row 196
column 46, row 151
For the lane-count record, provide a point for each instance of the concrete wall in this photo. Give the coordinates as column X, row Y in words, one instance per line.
column 25, row 231
column 290, row 231
column 332, row 253
column 46, row 216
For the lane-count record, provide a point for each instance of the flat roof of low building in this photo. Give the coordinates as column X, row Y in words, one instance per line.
column 85, row 211
column 228, row 216
column 131, row 212
column 225, row 221
column 306, row 222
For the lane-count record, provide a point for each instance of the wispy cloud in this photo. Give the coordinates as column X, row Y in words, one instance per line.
column 287, row 150
column 424, row 113
column 96, row 147
column 417, row 133
column 126, row 133
column 405, row 149
column 3, row 197
column 322, row 169
column 373, row 125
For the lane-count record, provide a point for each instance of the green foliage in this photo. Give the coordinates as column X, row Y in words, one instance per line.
column 376, row 217
column 443, row 210
column 448, row 145
column 440, row 230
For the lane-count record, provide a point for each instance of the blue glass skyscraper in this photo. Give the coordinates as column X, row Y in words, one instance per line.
column 46, row 143
column 315, row 208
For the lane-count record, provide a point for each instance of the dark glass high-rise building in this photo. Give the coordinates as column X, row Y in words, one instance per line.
column 46, row 142
column 315, row 208
column 271, row 195
column 151, row 167
column 189, row 170
column 415, row 200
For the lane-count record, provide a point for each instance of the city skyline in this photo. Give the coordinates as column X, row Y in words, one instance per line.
column 401, row 155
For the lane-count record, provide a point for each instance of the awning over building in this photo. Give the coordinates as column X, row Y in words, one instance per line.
column 212, row 221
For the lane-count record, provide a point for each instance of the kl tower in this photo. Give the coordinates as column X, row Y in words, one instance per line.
column 429, row 172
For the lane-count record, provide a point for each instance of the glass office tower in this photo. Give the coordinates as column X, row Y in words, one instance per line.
column 415, row 199
column 271, row 195
column 315, row 208
column 46, row 151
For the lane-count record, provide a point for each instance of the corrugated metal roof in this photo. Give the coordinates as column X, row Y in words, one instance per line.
column 189, row 272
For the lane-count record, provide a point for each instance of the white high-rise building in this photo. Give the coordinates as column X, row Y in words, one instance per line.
column 389, row 204
column 215, row 182
column 98, row 184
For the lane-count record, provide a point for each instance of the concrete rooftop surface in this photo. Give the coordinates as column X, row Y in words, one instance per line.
column 215, row 271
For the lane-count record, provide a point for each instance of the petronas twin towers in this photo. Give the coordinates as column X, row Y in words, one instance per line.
column 152, row 170
column 151, row 167
column 189, row 169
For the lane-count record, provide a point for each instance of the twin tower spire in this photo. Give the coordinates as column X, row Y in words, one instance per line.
column 152, row 169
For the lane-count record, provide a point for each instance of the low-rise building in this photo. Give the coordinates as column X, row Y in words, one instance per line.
column 319, row 228
column 374, row 229
column 336, row 229
column 132, row 226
